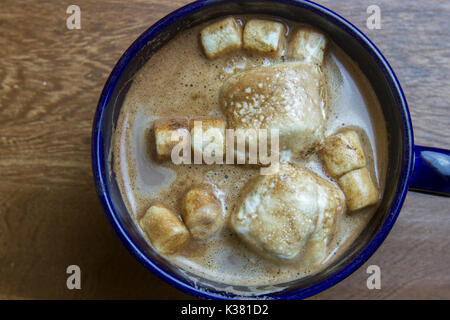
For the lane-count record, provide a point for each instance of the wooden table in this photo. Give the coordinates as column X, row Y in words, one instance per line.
column 50, row 216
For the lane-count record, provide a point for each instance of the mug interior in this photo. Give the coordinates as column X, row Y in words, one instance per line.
column 356, row 46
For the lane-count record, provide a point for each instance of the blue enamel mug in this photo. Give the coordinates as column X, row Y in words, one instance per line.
column 410, row 167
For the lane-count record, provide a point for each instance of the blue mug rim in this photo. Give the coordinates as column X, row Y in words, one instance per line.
column 100, row 172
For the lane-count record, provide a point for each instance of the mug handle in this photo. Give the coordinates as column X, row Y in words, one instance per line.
column 431, row 172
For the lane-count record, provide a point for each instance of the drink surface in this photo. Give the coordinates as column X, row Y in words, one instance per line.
column 179, row 81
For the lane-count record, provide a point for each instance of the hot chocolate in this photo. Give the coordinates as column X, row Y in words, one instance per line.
column 185, row 80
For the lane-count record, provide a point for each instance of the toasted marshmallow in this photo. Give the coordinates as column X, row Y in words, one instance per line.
column 278, row 214
column 286, row 96
column 309, row 45
column 168, row 133
column 202, row 213
column 342, row 152
column 263, row 36
column 359, row 189
column 327, row 220
column 208, row 138
column 221, row 37
column 166, row 232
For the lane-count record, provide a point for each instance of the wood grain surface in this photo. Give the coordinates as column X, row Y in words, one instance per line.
column 50, row 216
